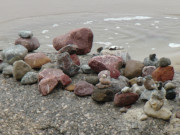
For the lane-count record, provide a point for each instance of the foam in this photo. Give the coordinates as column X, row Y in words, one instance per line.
column 45, row 31
column 174, row 45
column 168, row 17
column 117, row 27
column 88, row 22
column 55, row 25
column 137, row 24
column 128, row 18
column 104, row 43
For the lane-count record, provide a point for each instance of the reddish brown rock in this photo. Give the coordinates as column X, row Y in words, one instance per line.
column 82, row 37
column 60, row 76
column 83, row 88
column 36, row 60
column 163, row 73
column 47, row 85
column 133, row 69
column 106, row 62
column 75, row 59
column 125, row 99
column 147, row 70
column 29, row 43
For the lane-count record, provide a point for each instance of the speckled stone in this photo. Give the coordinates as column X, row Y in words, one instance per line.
column 92, row 79
column 25, row 34
column 29, row 78
column 164, row 62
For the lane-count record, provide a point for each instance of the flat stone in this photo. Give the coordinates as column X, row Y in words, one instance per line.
column 25, row 34
column 29, row 78
column 70, row 87
column 8, row 71
column 92, row 79
column 3, row 65
column 86, row 69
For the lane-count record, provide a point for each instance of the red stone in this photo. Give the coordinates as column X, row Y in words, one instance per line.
column 36, row 60
column 75, row 59
column 125, row 99
column 163, row 73
column 83, row 88
column 47, row 85
column 82, row 37
column 107, row 62
column 29, row 43
column 58, row 73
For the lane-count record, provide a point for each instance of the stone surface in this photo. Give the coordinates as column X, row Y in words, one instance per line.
column 86, row 69
column 133, row 81
column 164, row 62
column 169, row 86
column 14, row 53
column 118, row 85
column 105, row 80
column 137, row 89
column 36, row 60
column 92, row 79
column 102, row 95
column 102, row 86
column 121, row 53
column 83, row 88
column 170, row 94
column 30, row 44
column 71, row 49
column 20, row 68
column 46, row 85
column 149, row 83
column 48, row 65
column 104, row 72
column 147, row 70
column 65, row 63
column 106, row 62
column 60, row 76
column 143, row 117
column 3, row 65
column 82, row 37
column 126, row 90
column 133, row 69
column 163, row 113
column 70, row 87
column 178, row 114
column 8, row 71
column 146, row 95
column 25, row 34
column 29, row 78
column 75, row 59
column 125, row 99
column 163, row 74
column 151, row 60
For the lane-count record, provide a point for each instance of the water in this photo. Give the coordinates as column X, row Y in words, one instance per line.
column 141, row 30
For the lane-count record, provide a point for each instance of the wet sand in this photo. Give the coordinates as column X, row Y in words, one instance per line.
column 48, row 19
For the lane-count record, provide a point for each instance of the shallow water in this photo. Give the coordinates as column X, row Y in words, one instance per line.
column 140, row 33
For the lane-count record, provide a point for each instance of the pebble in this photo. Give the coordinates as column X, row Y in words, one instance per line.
column 169, row 86
column 164, row 62
column 92, row 79
column 86, row 69
column 70, row 87
column 126, row 90
column 29, row 78
column 178, row 114
column 170, row 94
column 25, row 34
column 143, row 117
column 123, row 110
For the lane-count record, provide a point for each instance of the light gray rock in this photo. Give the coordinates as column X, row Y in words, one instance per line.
column 20, row 68
column 146, row 94
column 25, row 34
column 86, row 69
column 29, row 78
column 14, row 53
column 126, row 90
column 137, row 89
column 151, row 60
column 3, row 65
column 8, row 71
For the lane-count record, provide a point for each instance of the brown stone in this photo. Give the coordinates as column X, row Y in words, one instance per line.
column 36, row 60
column 70, row 87
column 75, row 59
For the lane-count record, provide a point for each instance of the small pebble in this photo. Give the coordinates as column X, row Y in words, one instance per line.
column 143, row 117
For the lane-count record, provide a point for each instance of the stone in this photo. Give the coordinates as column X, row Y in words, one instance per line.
column 8, row 71
column 25, row 34
column 92, row 79
column 30, row 44
column 149, row 83
column 36, row 60
column 170, row 94
column 163, row 73
column 105, row 80
column 123, row 110
column 125, row 99
column 169, row 86
column 133, row 81
column 133, row 69
column 178, row 114
column 143, row 117
column 102, row 86
column 147, row 70
column 82, row 37
column 65, row 63
column 86, row 69
column 71, row 49
column 137, row 89
column 29, row 78
column 106, row 62
column 48, row 65
column 120, row 53
column 151, row 60
column 140, row 81
column 126, row 90
column 58, row 73
column 104, row 72
column 14, row 53
column 164, row 62
column 83, row 88
column 123, row 80
column 3, row 65
column 156, row 104
column 70, row 87
column 163, row 113
column 46, row 85
column 102, row 95
column 20, row 68
column 75, row 59
column 146, row 95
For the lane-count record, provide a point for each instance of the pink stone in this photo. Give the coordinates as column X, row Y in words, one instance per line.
column 83, row 88
column 125, row 99
column 147, row 70
column 47, row 85
column 75, row 59
column 106, row 62
column 82, row 37
column 58, row 73
column 29, row 43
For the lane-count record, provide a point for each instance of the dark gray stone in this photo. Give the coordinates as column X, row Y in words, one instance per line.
column 164, row 62
column 25, row 34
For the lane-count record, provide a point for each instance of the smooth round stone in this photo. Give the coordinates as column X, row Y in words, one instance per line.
column 8, row 71
column 86, row 69
column 170, row 94
column 169, row 86
column 92, row 79
column 178, row 114
column 25, row 34
column 3, row 65
column 164, row 62
column 29, row 78
column 143, row 117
